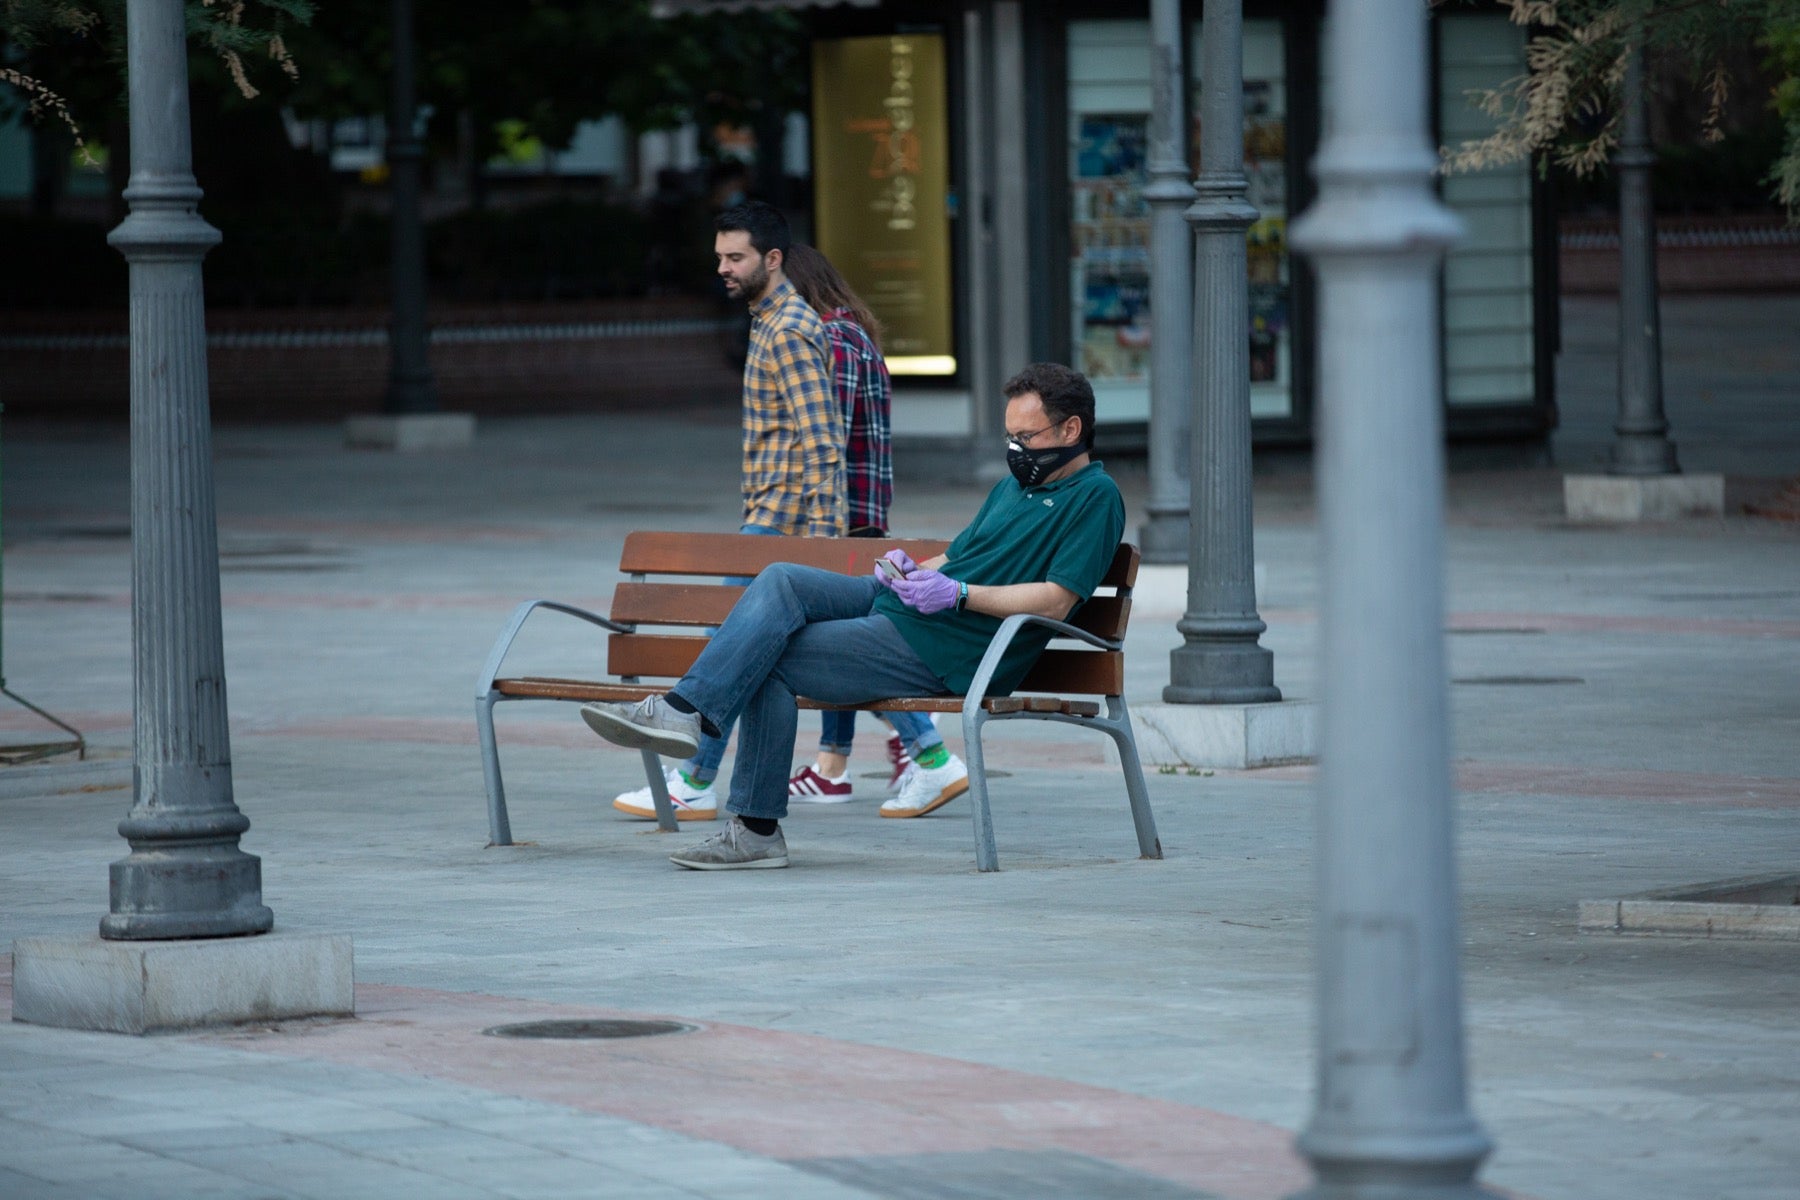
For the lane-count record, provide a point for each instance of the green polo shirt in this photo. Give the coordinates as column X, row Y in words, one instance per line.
column 1064, row 532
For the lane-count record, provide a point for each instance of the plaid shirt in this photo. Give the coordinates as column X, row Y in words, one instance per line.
column 860, row 376
column 793, row 431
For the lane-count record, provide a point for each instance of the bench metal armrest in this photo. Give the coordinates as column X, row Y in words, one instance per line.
column 490, row 670
column 1003, row 637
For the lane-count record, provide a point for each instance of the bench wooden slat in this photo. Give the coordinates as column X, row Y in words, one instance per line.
column 1124, row 569
column 1104, row 616
column 718, row 554
column 698, row 604
column 1077, row 672
column 652, row 655
column 540, row 688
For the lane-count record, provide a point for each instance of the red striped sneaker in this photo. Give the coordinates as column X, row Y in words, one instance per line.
column 811, row 787
column 898, row 761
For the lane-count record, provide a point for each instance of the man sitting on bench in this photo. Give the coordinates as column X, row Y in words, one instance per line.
column 1040, row 544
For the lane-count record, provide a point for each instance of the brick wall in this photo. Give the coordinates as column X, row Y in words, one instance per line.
column 1693, row 254
column 275, row 365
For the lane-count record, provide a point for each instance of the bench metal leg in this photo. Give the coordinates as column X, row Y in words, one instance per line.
column 499, row 828
column 986, row 858
column 1119, row 727
column 659, row 792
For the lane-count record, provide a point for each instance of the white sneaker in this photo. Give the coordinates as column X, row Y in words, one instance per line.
column 927, row 789
column 691, row 803
column 900, row 758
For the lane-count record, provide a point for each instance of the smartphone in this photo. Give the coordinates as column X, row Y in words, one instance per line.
column 889, row 569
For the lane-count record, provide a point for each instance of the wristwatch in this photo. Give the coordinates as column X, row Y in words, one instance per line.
column 962, row 595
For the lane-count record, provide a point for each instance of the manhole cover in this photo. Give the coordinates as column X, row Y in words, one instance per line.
column 581, row 1030
column 1519, row 680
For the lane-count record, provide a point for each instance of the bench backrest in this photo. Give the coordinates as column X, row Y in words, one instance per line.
column 699, row 600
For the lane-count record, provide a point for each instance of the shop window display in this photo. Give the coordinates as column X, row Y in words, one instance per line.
column 1110, row 222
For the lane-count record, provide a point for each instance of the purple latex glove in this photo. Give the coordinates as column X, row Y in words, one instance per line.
column 926, row 591
column 901, row 560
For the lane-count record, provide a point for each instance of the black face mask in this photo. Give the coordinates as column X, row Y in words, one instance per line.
column 1030, row 467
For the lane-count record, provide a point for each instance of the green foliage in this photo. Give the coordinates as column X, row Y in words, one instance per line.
column 1782, row 41
column 543, row 67
column 73, row 51
column 1565, row 109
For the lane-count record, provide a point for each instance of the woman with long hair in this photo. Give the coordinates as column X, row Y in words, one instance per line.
column 859, row 376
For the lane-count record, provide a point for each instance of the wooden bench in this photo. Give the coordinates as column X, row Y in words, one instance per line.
column 1083, row 687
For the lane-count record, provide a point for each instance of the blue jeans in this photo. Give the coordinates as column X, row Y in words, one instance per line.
column 704, row 766
column 798, row 631
column 838, row 729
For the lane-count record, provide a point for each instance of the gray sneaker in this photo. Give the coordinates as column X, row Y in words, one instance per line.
column 735, row 848
column 650, row 724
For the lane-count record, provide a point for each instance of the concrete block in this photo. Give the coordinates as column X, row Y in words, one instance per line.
column 1231, row 737
column 1764, row 907
column 406, row 433
column 1642, row 497
column 151, row 987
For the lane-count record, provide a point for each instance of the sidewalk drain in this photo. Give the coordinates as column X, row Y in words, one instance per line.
column 583, row 1030
column 1519, row 680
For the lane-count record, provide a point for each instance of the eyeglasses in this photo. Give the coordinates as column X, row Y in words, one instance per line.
column 1025, row 439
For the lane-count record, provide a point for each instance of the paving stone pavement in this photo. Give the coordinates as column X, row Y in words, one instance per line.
column 881, row 1020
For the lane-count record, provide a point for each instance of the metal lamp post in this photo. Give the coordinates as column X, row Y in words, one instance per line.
column 410, row 386
column 1220, row 660
column 1164, row 536
column 1391, row 1116
column 1643, row 446
column 185, row 875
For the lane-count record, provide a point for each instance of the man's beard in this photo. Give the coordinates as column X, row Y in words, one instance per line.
column 752, row 285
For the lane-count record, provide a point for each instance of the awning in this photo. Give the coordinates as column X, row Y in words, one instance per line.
column 676, row 8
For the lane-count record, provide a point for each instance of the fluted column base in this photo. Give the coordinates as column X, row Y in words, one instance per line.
column 201, row 890
column 1163, row 538
column 1221, row 672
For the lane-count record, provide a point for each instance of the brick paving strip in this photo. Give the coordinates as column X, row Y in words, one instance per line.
column 786, row 1096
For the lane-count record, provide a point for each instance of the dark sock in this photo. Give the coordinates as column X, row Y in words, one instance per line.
column 674, row 701
column 760, row 826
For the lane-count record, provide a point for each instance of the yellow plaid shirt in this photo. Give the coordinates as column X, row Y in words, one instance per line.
column 793, row 425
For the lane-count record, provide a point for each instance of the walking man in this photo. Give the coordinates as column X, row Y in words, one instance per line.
column 793, row 470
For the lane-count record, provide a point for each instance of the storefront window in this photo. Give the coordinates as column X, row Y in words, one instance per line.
column 1109, row 104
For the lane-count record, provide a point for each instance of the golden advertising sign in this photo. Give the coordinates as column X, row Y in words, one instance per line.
column 881, row 179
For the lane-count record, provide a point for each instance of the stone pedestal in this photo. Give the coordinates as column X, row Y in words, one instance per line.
column 1642, row 497
column 1232, row 737
column 409, row 432
column 158, row 986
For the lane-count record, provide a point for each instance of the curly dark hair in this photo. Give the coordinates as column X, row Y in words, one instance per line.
column 1065, row 392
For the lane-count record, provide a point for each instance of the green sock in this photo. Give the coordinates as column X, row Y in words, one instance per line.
column 933, row 758
column 691, row 781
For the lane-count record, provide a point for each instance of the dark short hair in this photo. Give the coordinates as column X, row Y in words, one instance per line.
column 1065, row 392
column 767, row 228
